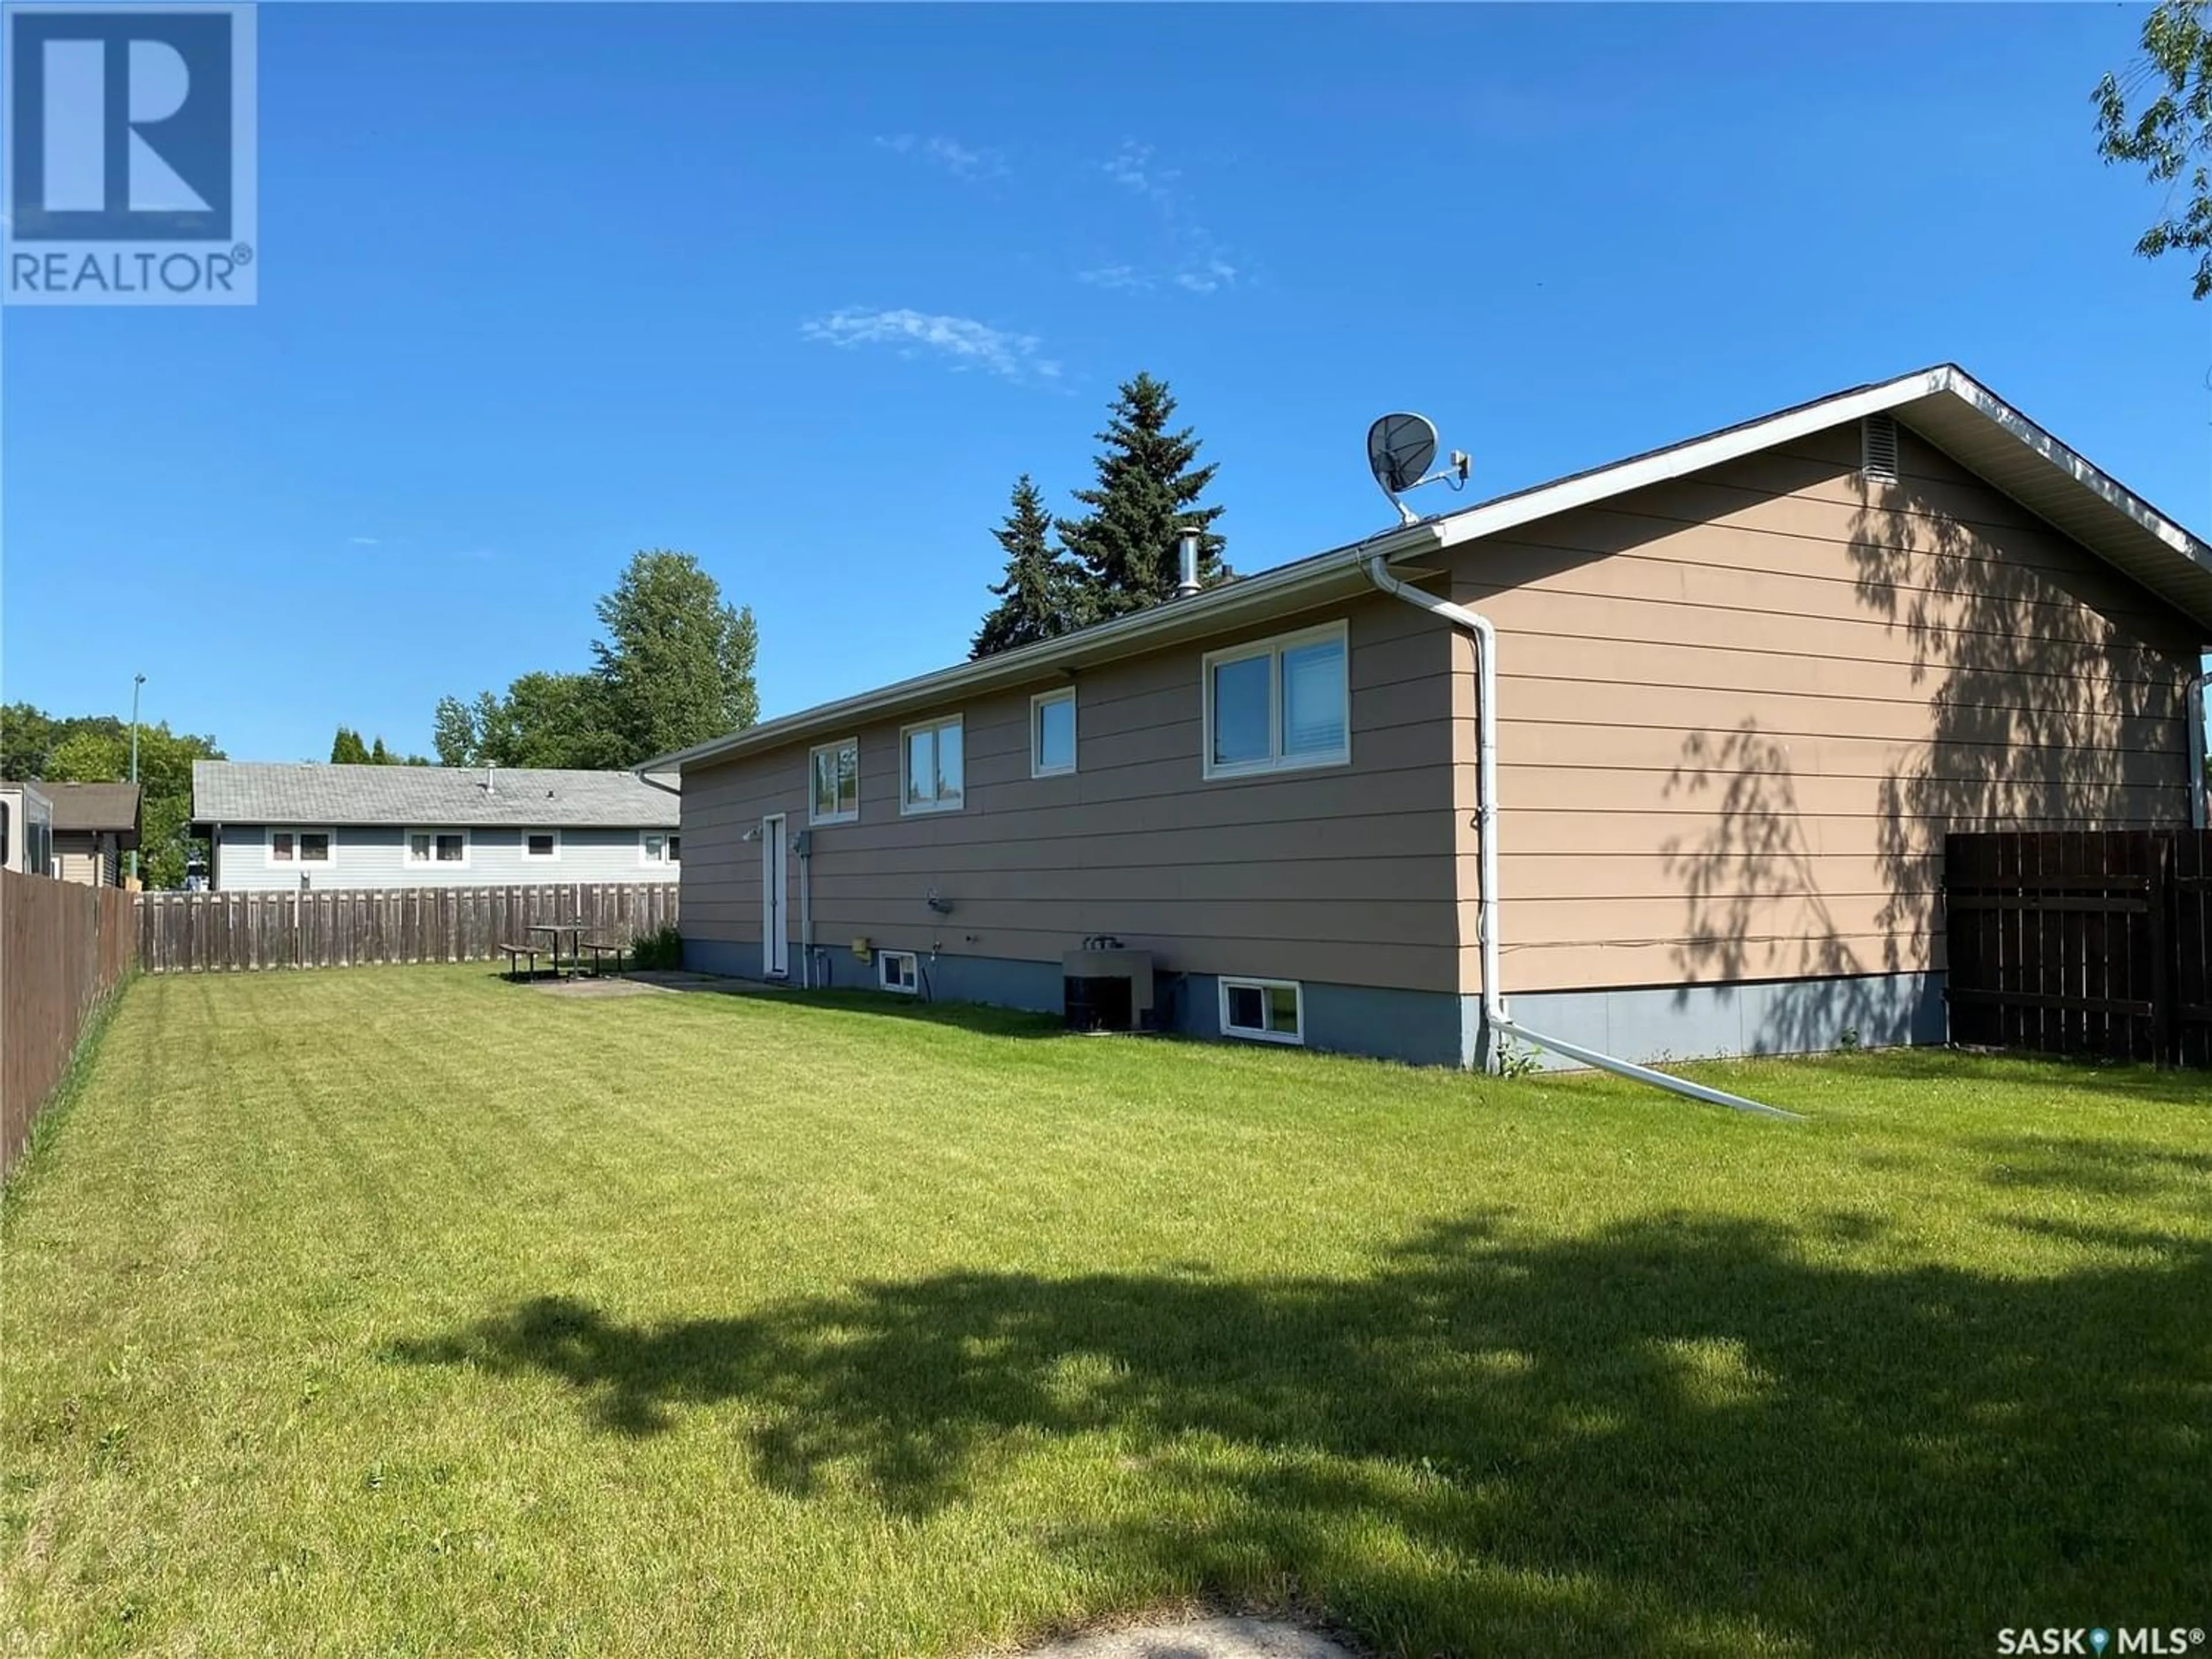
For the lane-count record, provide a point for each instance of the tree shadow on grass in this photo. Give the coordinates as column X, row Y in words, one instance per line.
column 2105, row 1081
column 984, row 1019
column 1680, row 1436
column 2095, row 1166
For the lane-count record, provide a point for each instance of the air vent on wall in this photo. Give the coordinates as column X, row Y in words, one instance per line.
column 1878, row 449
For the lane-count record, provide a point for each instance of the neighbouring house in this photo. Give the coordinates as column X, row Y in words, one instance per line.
column 1743, row 685
column 94, row 825
column 273, row 825
column 27, row 829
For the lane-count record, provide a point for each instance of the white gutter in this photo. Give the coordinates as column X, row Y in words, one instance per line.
column 1496, row 1022
column 1252, row 598
column 1209, row 611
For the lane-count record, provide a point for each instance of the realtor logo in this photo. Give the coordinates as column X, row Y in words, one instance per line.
column 130, row 164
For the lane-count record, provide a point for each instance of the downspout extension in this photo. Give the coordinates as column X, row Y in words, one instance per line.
column 1496, row 1021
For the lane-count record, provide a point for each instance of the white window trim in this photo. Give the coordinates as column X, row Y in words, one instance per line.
column 853, row 817
column 647, row 861
column 908, row 809
column 885, row 959
column 1273, row 649
column 295, row 862
column 1247, row 1033
column 1037, row 767
column 408, row 861
column 529, row 857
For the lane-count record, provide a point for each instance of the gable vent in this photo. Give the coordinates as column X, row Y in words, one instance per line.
column 1878, row 449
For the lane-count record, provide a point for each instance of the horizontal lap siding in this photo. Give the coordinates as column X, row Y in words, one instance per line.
column 1739, row 711
column 374, row 855
column 1341, row 874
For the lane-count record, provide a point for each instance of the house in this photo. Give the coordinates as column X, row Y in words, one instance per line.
column 94, row 825
column 1739, row 689
column 275, row 825
column 27, row 829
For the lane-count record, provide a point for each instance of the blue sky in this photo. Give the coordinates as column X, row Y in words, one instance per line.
column 801, row 292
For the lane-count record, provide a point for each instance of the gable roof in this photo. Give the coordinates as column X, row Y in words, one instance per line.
column 98, row 808
column 427, row 797
column 1943, row 404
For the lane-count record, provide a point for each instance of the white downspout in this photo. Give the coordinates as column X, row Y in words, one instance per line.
column 1496, row 1022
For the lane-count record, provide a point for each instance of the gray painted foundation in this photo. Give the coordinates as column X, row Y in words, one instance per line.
column 1421, row 1028
column 1434, row 1028
column 1702, row 1022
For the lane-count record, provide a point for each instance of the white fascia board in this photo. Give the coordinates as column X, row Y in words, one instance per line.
column 1732, row 445
column 2089, row 476
column 1756, row 435
column 1217, row 609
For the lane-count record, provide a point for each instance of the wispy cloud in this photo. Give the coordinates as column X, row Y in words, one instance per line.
column 364, row 541
column 1193, row 259
column 1120, row 276
column 1204, row 278
column 961, row 160
column 962, row 341
column 1131, row 167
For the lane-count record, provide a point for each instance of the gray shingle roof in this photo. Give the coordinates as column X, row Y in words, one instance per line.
column 95, row 806
column 426, row 797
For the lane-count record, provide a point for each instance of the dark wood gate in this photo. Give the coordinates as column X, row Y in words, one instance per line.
column 2084, row 942
column 2190, row 985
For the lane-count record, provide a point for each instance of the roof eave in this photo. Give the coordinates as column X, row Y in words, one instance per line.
column 1915, row 399
column 1249, row 599
column 2115, row 524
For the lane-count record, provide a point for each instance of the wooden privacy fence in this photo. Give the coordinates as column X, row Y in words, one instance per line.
column 217, row 933
column 63, row 948
column 2091, row 942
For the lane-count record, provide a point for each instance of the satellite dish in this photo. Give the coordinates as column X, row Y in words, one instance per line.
column 1399, row 450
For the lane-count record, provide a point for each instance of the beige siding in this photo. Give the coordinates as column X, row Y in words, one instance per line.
column 1738, row 712
column 89, row 859
column 1341, row 874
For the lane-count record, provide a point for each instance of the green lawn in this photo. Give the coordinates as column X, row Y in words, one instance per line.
column 400, row 1310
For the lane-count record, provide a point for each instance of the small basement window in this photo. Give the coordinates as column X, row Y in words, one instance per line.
column 290, row 847
column 447, row 847
column 1265, row 1010
column 540, row 845
column 897, row 970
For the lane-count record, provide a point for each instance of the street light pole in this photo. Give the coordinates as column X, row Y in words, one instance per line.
column 137, row 680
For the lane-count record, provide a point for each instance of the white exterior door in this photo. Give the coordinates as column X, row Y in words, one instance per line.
column 775, row 933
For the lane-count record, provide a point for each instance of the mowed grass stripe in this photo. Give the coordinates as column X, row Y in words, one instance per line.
column 404, row 1310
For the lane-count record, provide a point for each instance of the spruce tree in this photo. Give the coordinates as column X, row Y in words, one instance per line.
column 346, row 748
column 1038, row 598
column 1147, row 495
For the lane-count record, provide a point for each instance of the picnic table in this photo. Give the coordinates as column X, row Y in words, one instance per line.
column 553, row 931
column 567, row 963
